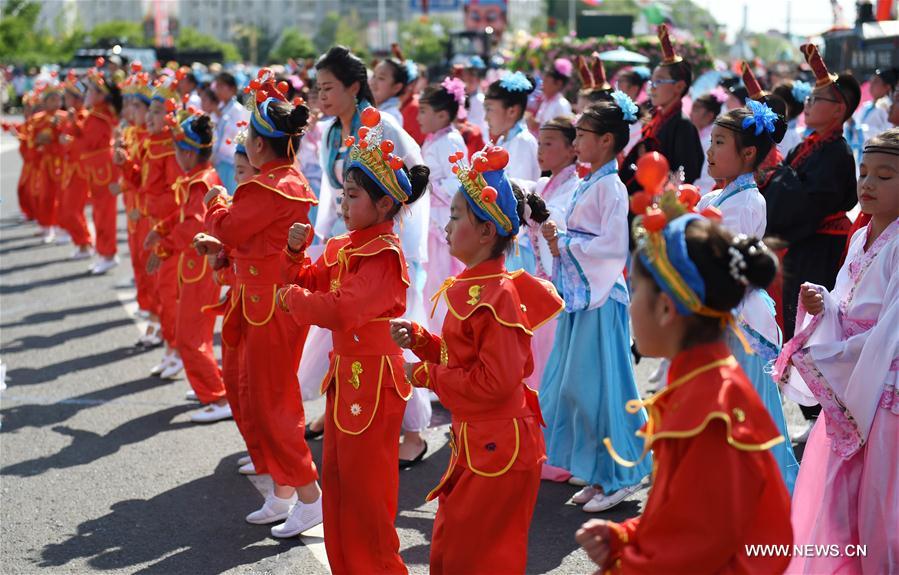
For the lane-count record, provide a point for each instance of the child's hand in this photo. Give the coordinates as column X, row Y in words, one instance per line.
column 409, row 368
column 595, row 537
column 153, row 263
column 206, row 244
column 401, row 332
column 115, row 188
column 118, row 156
column 296, row 237
column 134, row 215
column 152, row 239
column 810, row 299
column 213, row 192
column 551, row 235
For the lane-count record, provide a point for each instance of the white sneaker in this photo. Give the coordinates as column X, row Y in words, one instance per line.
column 247, row 469
column 82, row 253
column 62, row 238
column 601, row 502
column 302, row 517
column 48, row 237
column 273, row 510
column 104, row 265
column 577, row 481
column 175, row 367
column 586, row 493
column 802, row 437
column 151, row 337
column 191, row 395
column 162, row 365
column 244, row 460
column 142, row 314
column 211, row 413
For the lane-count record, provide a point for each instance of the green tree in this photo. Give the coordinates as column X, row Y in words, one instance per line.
column 424, row 39
column 351, row 33
column 291, row 44
column 120, row 32
column 327, row 32
column 191, row 39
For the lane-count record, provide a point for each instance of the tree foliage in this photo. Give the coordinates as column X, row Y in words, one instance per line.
column 191, row 39
column 291, row 44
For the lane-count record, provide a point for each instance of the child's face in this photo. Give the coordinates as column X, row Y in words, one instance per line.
column 500, row 119
column 878, row 88
column 732, row 103
column 725, row 162
column 663, row 91
column 551, row 86
column 358, row 209
column 430, row 120
column 383, row 86
column 243, row 171
column 465, row 236
column 156, row 117
column 824, row 108
column 878, row 185
column 73, row 101
column 208, row 105
column 590, row 147
column 52, row 102
column 554, row 151
column 138, row 113
column 701, row 116
column 652, row 317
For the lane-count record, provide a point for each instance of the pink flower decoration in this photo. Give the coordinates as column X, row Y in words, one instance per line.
column 456, row 88
column 563, row 66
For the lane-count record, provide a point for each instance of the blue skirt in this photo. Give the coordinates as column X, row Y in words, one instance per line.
column 588, row 380
column 754, row 366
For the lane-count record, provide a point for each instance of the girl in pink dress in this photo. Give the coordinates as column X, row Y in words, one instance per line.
column 845, row 356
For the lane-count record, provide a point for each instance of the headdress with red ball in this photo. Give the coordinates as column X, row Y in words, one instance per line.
column 487, row 188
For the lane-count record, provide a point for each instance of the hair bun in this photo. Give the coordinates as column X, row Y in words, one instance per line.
column 418, row 178
column 756, row 263
column 299, row 118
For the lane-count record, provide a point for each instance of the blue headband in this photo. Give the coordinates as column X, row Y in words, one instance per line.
column 505, row 218
column 191, row 140
column 675, row 252
column 262, row 122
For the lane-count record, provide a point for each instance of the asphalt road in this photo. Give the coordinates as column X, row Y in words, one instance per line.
column 102, row 471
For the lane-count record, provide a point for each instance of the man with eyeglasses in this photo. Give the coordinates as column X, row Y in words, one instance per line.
column 809, row 194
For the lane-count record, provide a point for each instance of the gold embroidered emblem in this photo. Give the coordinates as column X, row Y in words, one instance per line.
column 253, row 271
column 254, row 298
column 271, row 176
column 191, row 264
column 444, row 353
column 357, row 371
column 356, row 409
column 739, row 414
column 524, row 308
column 335, row 285
column 474, row 292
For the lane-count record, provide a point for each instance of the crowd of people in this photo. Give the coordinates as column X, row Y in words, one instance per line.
column 389, row 242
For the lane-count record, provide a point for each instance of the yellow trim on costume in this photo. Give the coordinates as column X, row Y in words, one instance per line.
column 490, row 307
column 427, row 379
column 337, row 397
column 508, row 466
column 393, row 379
column 243, row 304
column 444, row 353
column 181, row 275
column 454, row 459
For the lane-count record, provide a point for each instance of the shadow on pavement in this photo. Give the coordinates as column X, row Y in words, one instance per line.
column 174, row 530
column 34, row 376
column 87, row 446
column 29, row 342
column 59, row 315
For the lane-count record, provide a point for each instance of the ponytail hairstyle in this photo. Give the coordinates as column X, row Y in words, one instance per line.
column 513, row 90
column 348, row 69
column 530, row 206
column 404, row 71
column 195, row 134
column 613, row 118
column 289, row 119
column 418, row 177
column 756, row 125
column 710, row 103
column 447, row 97
column 728, row 266
column 793, row 93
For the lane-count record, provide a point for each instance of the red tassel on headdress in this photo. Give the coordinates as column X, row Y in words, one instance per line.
column 397, row 53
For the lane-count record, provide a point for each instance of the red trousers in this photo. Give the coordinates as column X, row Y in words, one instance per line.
column 167, row 291
column 145, row 284
column 26, row 204
column 360, row 485
column 105, row 206
column 72, row 201
column 46, row 188
column 482, row 523
column 237, row 389
column 272, row 356
column 193, row 337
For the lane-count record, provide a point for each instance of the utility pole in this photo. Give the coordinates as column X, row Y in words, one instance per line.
column 572, row 16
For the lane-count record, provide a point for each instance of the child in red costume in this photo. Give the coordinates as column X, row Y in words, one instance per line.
column 48, row 127
column 354, row 289
column 75, row 184
column 477, row 369
column 94, row 139
column 255, row 226
column 716, row 488
column 160, row 171
column 197, row 288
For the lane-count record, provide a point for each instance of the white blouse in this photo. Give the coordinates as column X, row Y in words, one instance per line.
column 553, row 107
column 436, row 150
column 556, row 192
column 522, row 147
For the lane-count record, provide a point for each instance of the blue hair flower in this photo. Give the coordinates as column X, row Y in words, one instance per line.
column 411, row 70
column 801, row 90
column 628, row 108
column 516, row 82
column 762, row 117
column 477, row 63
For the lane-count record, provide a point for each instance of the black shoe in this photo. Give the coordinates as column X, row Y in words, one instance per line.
column 313, row 434
column 407, row 463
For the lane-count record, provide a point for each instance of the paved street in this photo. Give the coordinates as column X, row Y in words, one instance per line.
column 103, row 472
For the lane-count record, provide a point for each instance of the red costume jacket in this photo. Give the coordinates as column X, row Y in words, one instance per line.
column 715, row 488
column 254, row 226
column 354, row 289
column 479, row 365
column 178, row 230
column 159, row 172
column 72, row 166
column 93, row 138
